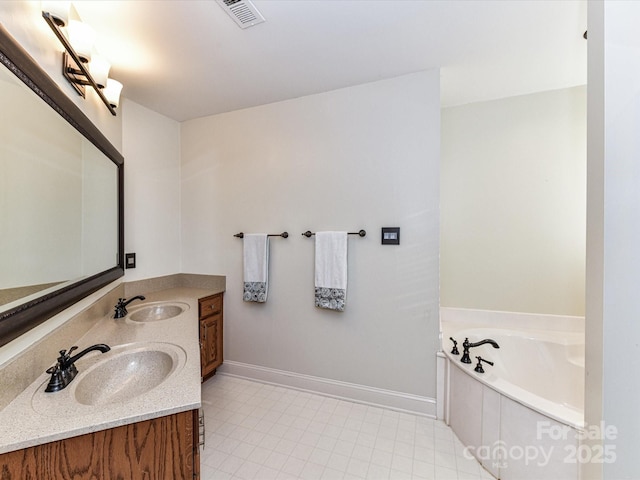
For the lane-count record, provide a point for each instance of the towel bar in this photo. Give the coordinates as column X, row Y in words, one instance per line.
column 361, row 233
column 283, row 235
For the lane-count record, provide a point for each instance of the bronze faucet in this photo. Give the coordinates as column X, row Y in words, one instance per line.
column 466, row 346
column 64, row 371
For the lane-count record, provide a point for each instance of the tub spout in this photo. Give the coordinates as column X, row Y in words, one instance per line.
column 466, row 345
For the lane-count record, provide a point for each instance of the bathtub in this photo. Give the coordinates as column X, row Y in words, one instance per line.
column 538, row 369
column 530, row 399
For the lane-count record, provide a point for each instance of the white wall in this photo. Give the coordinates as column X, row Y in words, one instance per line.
column 151, row 148
column 613, row 262
column 359, row 157
column 513, row 204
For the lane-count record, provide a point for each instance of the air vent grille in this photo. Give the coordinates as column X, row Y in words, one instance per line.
column 243, row 12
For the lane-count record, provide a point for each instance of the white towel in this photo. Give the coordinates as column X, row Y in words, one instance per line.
column 331, row 270
column 256, row 267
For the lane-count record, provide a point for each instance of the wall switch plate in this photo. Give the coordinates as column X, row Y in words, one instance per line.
column 129, row 260
column 390, row 235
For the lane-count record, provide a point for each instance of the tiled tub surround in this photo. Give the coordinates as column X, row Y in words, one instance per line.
column 521, row 417
column 23, row 426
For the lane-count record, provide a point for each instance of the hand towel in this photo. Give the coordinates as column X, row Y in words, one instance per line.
column 256, row 267
column 331, row 270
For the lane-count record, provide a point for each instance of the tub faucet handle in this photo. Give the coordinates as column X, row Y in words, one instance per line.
column 479, row 368
column 454, row 350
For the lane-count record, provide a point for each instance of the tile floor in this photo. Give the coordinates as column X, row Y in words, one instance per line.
column 263, row 432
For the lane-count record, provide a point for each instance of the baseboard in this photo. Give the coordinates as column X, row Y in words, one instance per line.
column 404, row 402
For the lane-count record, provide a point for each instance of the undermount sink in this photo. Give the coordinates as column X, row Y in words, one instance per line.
column 118, row 376
column 157, row 311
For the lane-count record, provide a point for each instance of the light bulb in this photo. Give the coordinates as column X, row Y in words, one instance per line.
column 81, row 37
column 112, row 92
column 99, row 69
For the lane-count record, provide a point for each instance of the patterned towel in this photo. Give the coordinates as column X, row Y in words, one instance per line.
column 256, row 267
column 331, row 270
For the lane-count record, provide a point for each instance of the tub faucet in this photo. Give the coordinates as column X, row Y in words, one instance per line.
column 466, row 345
column 121, row 306
column 64, row 371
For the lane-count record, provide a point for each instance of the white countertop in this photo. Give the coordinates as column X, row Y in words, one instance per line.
column 28, row 420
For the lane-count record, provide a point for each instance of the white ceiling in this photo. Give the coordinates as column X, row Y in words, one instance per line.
column 188, row 59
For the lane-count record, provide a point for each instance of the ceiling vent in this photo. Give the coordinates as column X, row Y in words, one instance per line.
column 243, row 12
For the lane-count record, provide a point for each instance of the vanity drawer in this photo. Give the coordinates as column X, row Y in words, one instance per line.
column 210, row 305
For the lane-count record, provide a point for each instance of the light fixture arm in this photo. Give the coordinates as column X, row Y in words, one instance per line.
column 74, row 75
column 84, row 71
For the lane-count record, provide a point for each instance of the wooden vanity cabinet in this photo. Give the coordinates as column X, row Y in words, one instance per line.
column 210, row 314
column 158, row 449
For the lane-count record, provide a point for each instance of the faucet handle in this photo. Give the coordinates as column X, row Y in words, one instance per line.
column 479, row 368
column 65, row 355
column 454, row 350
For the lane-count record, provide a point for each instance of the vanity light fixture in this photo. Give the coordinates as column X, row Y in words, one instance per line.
column 80, row 67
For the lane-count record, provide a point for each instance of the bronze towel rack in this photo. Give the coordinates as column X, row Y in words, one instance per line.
column 283, row 235
column 361, row 233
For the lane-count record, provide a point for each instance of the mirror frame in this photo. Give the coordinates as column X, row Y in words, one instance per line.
column 18, row 320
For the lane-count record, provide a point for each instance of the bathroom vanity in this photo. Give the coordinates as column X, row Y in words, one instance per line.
column 131, row 412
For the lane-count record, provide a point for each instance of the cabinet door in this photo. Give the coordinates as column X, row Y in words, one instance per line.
column 210, row 314
column 158, row 449
column 196, row 441
column 211, row 335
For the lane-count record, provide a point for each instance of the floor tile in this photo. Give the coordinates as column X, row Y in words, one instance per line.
column 256, row 431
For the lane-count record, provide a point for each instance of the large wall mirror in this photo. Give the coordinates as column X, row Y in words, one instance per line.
column 61, row 198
